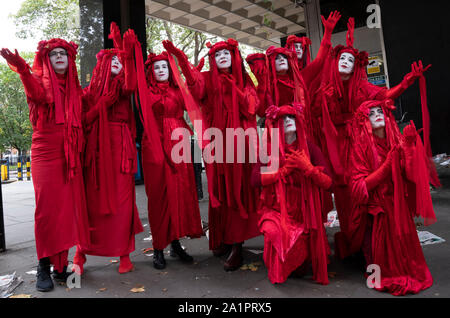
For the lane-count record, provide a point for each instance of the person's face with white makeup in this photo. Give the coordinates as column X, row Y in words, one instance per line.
column 59, row 60
column 161, row 69
column 299, row 50
column 289, row 124
column 116, row 66
column 346, row 63
column 281, row 64
column 223, row 59
column 376, row 117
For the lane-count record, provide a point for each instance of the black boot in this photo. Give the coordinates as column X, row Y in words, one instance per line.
column 61, row 277
column 158, row 259
column 44, row 282
column 235, row 259
column 177, row 250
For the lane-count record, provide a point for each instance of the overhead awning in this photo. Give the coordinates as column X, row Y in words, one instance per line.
column 257, row 23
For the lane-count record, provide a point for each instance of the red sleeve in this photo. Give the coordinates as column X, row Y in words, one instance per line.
column 318, row 159
column 130, row 84
column 33, row 89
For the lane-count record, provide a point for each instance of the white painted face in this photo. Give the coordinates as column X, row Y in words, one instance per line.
column 59, row 60
column 376, row 117
column 116, row 66
column 223, row 59
column 289, row 124
column 281, row 63
column 299, row 50
column 161, row 69
column 346, row 63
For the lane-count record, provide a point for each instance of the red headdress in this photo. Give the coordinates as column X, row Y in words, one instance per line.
column 362, row 134
column 150, row 74
column 309, row 193
column 306, row 43
column 67, row 111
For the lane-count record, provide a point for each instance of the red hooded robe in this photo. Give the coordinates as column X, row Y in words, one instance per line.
column 55, row 114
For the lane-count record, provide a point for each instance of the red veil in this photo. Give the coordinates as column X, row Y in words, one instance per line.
column 306, row 43
column 70, row 115
column 310, row 196
column 394, row 245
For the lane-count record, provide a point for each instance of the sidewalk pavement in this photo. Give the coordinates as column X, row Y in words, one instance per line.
column 206, row 277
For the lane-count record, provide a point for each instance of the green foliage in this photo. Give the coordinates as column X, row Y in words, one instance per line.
column 48, row 19
column 15, row 127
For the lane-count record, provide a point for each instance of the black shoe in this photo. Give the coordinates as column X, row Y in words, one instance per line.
column 61, row 277
column 44, row 282
column 158, row 259
column 177, row 251
column 235, row 259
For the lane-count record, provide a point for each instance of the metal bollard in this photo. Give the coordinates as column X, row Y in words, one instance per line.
column 19, row 170
column 28, row 169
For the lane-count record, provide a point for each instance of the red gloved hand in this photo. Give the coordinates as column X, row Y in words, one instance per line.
column 300, row 161
column 378, row 176
column 417, row 70
column 173, row 50
column 331, row 22
column 410, row 134
column 115, row 36
column 328, row 90
column 15, row 60
column 129, row 41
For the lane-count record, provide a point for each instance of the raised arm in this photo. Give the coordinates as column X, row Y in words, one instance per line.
column 33, row 89
column 127, row 56
column 417, row 70
column 194, row 78
column 311, row 70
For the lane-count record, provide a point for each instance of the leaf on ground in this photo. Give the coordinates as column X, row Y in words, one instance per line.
column 146, row 250
column 21, row 296
column 164, row 290
column 102, row 289
column 332, row 274
column 138, row 289
column 244, row 267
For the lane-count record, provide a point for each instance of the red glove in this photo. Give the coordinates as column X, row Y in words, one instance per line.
column 300, row 161
column 115, row 36
column 15, row 61
column 272, row 177
column 410, row 134
column 182, row 61
column 378, row 176
column 417, row 70
column 129, row 41
column 331, row 22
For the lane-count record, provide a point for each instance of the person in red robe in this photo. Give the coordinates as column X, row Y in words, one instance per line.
column 173, row 209
column 54, row 99
column 281, row 82
column 229, row 101
column 344, row 86
column 290, row 206
column 390, row 175
column 110, row 155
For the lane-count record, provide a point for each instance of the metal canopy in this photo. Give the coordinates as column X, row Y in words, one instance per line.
column 257, row 23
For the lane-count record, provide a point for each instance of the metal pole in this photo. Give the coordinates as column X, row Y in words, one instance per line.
column 2, row 223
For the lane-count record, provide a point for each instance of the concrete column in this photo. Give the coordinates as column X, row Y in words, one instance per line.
column 314, row 25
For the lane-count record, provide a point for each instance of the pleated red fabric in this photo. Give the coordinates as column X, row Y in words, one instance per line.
column 55, row 114
column 111, row 159
column 384, row 217
column 173, row 208
column 290, row 210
